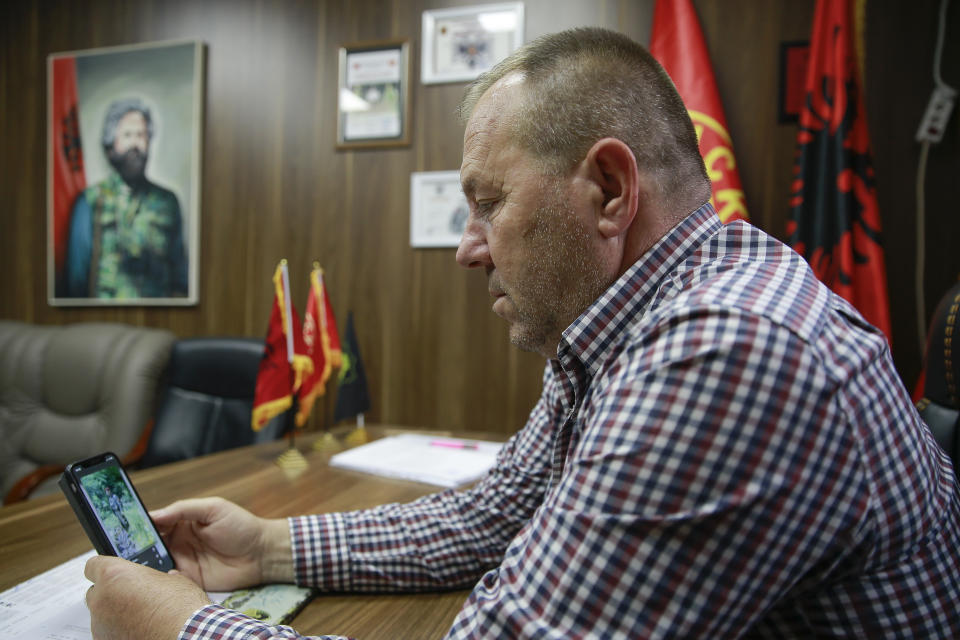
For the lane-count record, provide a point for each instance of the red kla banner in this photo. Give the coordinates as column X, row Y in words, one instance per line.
column 834, row 219
column 677, row 43
column 319, row 332
column 67, row 178
column 331, row 336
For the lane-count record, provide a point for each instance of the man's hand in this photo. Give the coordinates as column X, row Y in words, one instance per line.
column 222, row 546
column 128, row 600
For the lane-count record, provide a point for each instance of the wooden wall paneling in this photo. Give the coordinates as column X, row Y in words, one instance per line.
column 899, row 68
column 22, row 165
column 274, row 186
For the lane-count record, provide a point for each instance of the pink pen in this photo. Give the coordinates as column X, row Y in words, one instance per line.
column 452, row 444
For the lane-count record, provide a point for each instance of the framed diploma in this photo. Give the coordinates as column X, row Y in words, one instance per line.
column 438, row 209
column 373, row 100
column 459, row 44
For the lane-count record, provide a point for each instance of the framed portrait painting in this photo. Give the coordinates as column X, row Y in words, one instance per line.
column 438, row 209
column 461, row 43
column 123, row 175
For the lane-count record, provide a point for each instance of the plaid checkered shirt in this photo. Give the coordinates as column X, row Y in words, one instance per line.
column 722, row 449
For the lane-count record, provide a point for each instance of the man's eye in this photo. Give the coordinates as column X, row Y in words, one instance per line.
column 486, row 206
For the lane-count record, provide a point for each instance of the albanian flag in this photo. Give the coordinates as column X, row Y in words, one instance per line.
column 834, row 219
column 677, row 43
column 284, row 363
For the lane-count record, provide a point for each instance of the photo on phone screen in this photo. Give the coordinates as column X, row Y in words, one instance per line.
column 121, row 516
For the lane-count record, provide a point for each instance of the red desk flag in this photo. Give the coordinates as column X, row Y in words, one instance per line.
column 331, row 336
column 677, row 43
column 322, row 344
column 834, row 219
column 67, row 178
column 284, row 363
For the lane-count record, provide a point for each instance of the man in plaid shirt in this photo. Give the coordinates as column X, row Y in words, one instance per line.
column 722, row 447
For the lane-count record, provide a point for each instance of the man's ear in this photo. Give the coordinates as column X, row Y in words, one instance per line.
column 613, row 167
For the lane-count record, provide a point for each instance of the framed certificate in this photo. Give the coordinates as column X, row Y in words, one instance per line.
column 438, row 209
column 459, row 44
column 373, row 98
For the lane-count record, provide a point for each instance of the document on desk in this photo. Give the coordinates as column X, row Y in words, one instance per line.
column 445, row 462
column 49, row 606
column 52, row 605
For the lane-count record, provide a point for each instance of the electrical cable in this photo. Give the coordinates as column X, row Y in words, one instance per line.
column 938, row 52
column 921, row 248
column 921, row 180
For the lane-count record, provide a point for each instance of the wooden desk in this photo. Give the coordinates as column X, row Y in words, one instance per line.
column 39, row 534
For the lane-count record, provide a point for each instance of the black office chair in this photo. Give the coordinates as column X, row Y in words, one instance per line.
column 940, row 405
column 206, row 402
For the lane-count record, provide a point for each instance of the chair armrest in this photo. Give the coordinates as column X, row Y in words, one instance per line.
column 140, row 448
column 25, row 485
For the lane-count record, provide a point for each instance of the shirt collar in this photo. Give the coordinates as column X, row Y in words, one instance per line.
column 626, row 301
column 117, row 183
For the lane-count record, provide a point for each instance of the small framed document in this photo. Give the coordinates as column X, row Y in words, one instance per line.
column 373, row 98
column 438, row 209
column 461, row 43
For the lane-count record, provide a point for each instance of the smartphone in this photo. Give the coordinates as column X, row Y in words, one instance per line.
column 111, row 512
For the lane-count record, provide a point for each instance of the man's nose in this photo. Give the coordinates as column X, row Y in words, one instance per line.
column 473, row 250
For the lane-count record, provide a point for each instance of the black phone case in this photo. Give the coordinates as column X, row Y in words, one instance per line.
column 87, row 520
column 91, row 526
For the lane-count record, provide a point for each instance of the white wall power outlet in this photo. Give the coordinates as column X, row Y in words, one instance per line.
column 937, row 115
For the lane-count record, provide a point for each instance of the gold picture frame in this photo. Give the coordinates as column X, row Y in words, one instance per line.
column 460, row 43
column 373, row 94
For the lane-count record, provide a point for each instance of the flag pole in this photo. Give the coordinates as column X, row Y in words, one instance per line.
column 291, row 460
column 288, row 329
column 359, row 434
column 326, row 442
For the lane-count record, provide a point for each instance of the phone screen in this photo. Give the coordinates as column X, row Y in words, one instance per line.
column 118, row 510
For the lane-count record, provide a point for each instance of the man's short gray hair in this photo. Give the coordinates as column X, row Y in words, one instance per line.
column 116, row 111
column 588, row 83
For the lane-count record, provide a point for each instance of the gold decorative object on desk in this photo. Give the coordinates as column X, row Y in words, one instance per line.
column 292, row 462
column 327, row 442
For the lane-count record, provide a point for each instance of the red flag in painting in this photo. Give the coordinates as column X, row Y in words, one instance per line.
column 284, row 363
column 834, row 219
column 67, row 177
column 322, row 345
column 677, row 43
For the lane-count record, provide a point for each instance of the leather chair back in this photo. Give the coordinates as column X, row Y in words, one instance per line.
column 940, row 405
column 207, row 400
column 70, row 392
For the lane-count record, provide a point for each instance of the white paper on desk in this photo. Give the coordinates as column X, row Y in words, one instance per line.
column 446, row 462
column 52, row 605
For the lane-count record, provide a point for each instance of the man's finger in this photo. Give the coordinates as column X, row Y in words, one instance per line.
column 95, row 567
column 200, row 510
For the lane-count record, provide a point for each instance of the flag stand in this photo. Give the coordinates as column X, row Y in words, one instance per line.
column 291, row 460
column 327, row 442
column 359, row 435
